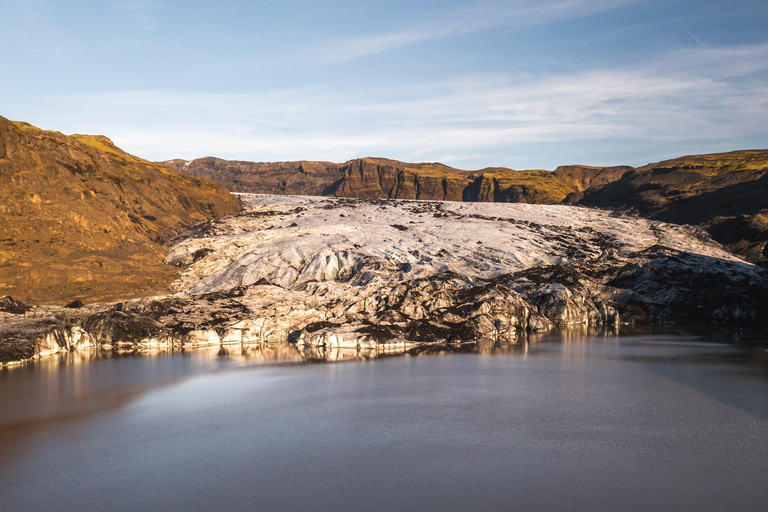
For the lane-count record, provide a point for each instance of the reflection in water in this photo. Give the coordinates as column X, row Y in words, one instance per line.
column 284, row 352
column 563, row 421
column 69, row 384
column 574, row 342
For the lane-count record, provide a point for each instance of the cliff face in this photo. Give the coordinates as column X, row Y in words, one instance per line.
column 383, row 178
column 726, row 193
column 82, row 219
column 582, row 177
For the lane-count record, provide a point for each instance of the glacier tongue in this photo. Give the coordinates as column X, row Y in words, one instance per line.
column 383, row 273
column 290, row 240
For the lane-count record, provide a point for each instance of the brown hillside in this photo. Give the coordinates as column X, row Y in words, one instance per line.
column 82, row 219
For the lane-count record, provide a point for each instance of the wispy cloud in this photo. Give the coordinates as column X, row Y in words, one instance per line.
column 690, row 98
column 693, row 36
column 468, row 19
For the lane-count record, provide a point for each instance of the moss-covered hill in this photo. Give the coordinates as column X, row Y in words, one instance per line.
column 82, row 219
column 726, row 193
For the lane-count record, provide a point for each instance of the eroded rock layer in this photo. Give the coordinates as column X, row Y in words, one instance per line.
column 372, row 273
column 385, row 178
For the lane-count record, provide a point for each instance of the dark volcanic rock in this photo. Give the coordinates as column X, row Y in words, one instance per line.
column 24, row 338
column 673, row 286
column 10, row 305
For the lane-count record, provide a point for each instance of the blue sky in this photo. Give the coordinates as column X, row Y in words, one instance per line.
column 517, row 83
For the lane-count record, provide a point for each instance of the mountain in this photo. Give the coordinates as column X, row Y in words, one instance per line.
column 725, row 193
column 384, row 178
column 81, row 219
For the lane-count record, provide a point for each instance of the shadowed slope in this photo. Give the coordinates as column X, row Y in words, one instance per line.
column 725, row 192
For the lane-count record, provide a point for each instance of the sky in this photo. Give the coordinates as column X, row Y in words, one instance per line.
column 526, row 84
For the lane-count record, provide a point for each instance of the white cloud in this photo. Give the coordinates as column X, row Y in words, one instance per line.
column 702, row 95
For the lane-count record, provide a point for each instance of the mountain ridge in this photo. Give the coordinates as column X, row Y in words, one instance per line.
column 380, row 178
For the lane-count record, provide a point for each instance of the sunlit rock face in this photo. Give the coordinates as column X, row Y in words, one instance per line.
column 362, row 274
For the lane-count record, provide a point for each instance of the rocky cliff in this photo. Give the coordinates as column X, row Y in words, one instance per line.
column 384, row 178
column 583, row 177
column 726, row 193
column 359, row 273
column 81, row 219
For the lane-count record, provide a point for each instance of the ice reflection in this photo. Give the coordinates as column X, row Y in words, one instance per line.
column 289, row 352
column 573, row 343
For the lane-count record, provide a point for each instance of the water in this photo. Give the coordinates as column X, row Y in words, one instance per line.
column 586, row 423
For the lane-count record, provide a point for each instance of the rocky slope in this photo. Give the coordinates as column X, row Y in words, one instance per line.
column 372, row 273
column 384, row 178
column 726, row 193
column 81, row 219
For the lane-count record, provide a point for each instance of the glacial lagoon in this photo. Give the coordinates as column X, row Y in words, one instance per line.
column 558, row 422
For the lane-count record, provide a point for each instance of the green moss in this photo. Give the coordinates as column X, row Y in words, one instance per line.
column 717, row 164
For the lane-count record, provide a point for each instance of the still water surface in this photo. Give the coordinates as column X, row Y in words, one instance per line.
column 565, row 423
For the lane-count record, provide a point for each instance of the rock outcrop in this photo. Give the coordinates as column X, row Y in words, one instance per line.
column 372, row 273
column 583, row 177
column 82, row 220
column 382, row 178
